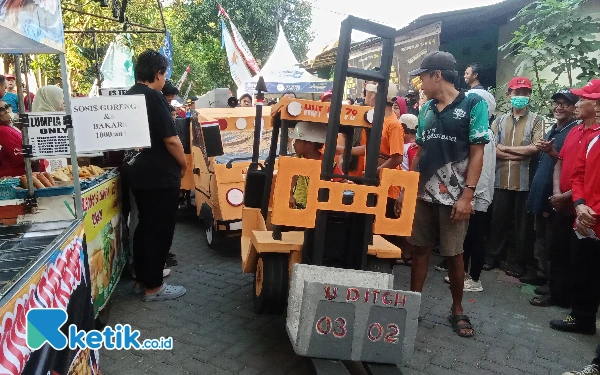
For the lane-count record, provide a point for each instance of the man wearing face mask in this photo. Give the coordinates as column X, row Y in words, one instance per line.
column 517, row 134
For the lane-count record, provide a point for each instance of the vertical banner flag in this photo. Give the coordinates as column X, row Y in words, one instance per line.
column 240, row 44
column 239, row 72
column 183, row 78
column 167, row 51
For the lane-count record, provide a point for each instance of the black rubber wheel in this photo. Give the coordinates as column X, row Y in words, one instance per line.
column 381, row 265
column 271, row 284
column 212, row 236
column 103, row 317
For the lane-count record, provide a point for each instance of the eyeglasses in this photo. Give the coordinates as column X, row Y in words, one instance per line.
column 561, row 104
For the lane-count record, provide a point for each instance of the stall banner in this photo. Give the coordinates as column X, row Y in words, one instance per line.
column 110, row 123
column 102, row 221
column 48, row 134
column 410, row 49
column 63, row 282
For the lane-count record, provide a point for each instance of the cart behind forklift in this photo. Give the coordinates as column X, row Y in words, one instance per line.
column 336, row 308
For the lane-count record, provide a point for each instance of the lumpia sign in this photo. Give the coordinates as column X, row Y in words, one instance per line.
column 110, row 123
column 48, row 134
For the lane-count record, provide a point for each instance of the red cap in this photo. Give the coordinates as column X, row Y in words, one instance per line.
column 326, row 94
column 520, row 83
column 590, row 91
column 9, row 76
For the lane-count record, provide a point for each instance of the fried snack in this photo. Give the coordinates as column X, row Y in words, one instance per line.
column 23, row 180
column 50, row 178
column 43, row 179
column 36, row 183
column 60, row 175
column 84, row 172
column 96, row 170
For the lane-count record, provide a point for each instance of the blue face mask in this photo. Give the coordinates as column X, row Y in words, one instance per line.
column 519, row 102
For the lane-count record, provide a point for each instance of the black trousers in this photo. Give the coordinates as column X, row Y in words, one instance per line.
column 474, row 245
column 510, row 210
column 154, row 234
column 543, row 239
column 585, row 259
column 559, row 253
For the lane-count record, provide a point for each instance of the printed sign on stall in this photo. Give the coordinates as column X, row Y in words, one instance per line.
column 102, row 223
column 110, row 123
column 48, row 134
column 63, row 282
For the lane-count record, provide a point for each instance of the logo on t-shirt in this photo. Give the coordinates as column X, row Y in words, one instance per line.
column 459, row 114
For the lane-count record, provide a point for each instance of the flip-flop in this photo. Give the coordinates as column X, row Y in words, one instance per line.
column 545, row 301
column 458, row 327
column 404, row 262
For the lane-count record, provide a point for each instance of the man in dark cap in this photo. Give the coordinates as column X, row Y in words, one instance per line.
column 412, row 102
column 539, row 204
column 451, row 135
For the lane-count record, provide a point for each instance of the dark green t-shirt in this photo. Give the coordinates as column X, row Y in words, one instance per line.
column 445, row 138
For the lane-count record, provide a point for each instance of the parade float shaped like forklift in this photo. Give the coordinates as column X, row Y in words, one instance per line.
column 221, row 149
column 337, row 309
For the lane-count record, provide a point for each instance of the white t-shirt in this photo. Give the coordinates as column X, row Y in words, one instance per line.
column 405, row 156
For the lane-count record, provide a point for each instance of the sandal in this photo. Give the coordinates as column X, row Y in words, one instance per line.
column 516, row 274
column 459, row 327
column 545, row 301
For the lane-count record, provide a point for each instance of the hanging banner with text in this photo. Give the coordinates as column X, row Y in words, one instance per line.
column 114, row 91
column 110, row 123
column 48, row 134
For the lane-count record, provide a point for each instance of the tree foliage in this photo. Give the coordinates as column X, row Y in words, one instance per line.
column 555, row 36
column 196, row 33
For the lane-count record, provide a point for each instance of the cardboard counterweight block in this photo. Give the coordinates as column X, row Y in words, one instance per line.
column 353, row 315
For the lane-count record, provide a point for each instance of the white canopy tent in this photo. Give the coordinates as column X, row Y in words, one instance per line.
column 282, row 72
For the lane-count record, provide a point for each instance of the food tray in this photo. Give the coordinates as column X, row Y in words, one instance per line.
column 7, row 188
column 46, row 192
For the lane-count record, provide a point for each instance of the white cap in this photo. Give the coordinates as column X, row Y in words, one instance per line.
column 411, row 121
column 309, row 131
column 392, row 90
column 176, row 104
column 489, row 98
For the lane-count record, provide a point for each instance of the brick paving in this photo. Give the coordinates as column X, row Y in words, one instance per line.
column 216, row 332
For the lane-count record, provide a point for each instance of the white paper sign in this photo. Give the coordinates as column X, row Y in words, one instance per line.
column 110, row 123
column 114, row 91
column 48, row 134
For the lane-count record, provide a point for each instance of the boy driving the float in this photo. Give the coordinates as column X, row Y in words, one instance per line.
column 308, row 138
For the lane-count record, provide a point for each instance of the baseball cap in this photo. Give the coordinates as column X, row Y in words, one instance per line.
column 567, row 94
column 519, row 83
column 176, row 104
column 590, row 91
column 437, row 60
column 409, row 120
column 411, row 93
column 326, row 94
column 9, row 76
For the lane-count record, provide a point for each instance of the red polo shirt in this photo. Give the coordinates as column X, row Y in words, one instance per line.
column 586, row 177
column 575, row 141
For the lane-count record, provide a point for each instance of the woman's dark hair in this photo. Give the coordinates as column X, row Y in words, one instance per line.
column 170, row 89
column 319, row 146
column 448, row 75
column 289, row 92
column 246, row 96
column 2, row 79
column 148, row 64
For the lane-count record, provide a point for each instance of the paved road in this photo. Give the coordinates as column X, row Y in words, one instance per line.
column 216, row 332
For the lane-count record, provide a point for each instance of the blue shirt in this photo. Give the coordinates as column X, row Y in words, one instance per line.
column 13, row 100
column 541, row 185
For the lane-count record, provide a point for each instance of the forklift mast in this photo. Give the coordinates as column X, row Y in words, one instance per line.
column 341, row 73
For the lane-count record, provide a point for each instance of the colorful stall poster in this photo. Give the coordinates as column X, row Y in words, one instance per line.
column 63, row 282
column 102, row 220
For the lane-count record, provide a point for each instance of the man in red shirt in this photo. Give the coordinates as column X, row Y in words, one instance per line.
column 585, row 246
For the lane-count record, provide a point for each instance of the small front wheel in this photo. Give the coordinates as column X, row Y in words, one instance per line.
column 271, row 284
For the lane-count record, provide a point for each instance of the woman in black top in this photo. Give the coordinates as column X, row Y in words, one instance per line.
column 154, row 176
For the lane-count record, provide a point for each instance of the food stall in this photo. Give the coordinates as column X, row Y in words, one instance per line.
column 60, row 231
